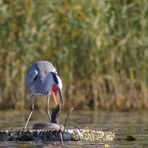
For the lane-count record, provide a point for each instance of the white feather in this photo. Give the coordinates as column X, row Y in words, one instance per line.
column 32, row 75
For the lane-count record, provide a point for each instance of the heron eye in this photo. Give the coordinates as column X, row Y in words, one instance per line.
column 55, row 78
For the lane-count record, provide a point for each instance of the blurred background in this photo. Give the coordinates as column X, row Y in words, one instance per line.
column 100, row 49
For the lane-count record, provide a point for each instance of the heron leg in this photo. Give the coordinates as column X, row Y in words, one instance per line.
column 47, row 107
column 31, row 111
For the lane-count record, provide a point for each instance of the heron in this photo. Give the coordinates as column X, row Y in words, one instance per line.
column 43, row 80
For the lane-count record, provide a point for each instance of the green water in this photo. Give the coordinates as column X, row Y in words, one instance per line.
column 125, row 124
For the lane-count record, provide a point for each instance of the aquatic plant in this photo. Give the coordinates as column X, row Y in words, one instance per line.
column 98, row 47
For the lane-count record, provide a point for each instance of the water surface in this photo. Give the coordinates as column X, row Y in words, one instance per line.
column 127, row 125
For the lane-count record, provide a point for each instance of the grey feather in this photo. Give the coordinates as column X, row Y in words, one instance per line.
column 32, row 75
column 39, row 78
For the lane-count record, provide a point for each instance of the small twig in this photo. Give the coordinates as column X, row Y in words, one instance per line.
column 61, row 138
column 67, row 117
column 73, row 124
column 65, row 123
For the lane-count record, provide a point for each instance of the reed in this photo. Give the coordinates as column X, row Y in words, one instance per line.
column 100, row 49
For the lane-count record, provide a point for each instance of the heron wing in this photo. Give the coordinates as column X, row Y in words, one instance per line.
column 32, row 75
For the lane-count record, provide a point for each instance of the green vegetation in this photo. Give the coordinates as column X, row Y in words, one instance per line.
column 100, row 48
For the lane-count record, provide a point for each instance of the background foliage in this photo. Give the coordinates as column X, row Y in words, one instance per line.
column 100, row 49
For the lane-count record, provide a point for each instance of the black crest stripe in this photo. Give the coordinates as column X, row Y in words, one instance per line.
column 55, row 77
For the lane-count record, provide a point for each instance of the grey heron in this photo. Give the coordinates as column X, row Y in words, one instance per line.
column 43, row 80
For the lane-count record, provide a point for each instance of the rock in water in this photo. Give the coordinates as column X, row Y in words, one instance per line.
column 54, row 135
column 48, row 126
column 54, row 125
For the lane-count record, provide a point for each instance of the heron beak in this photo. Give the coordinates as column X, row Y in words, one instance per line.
column 61, row 98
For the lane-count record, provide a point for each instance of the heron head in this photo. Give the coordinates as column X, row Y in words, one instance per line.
column 57, row 86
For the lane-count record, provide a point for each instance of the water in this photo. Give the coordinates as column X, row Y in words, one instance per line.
column 127, row 125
